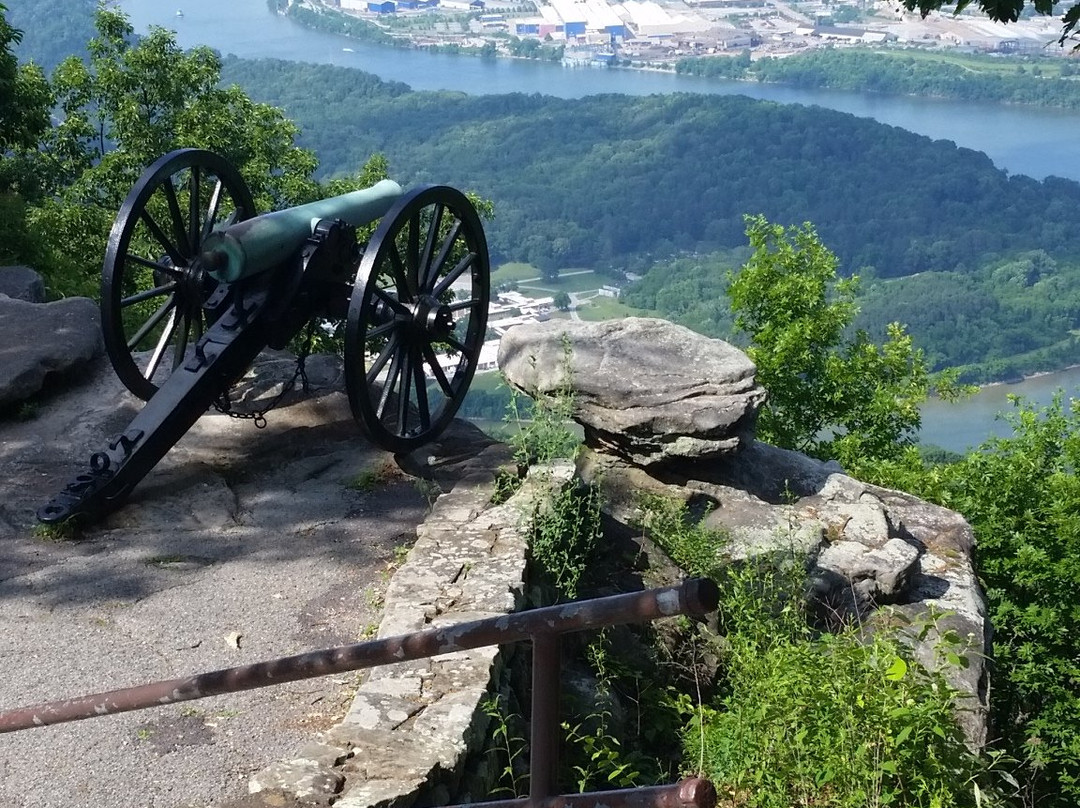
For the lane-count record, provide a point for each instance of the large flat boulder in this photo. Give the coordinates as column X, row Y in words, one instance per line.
column 43, row 340
column 22, row 283
column 646, row 390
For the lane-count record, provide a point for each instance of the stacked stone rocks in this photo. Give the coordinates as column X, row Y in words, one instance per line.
column 667, row 411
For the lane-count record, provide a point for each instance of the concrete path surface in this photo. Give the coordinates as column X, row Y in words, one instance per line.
column 243, row 545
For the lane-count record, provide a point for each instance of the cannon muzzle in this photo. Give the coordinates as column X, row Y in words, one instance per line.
column 258, row 244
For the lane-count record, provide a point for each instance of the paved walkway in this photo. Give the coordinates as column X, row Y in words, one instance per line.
column 243, row 545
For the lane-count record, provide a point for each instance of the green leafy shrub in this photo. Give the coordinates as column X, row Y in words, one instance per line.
column 1022, row 497
column 565, row 538
column 840, row 720
column 687, row 542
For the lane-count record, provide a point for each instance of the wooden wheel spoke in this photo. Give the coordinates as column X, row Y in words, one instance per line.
column 152, row 322
column 139, row 297
column 176, row 218
column 180, row 348
column 437, row 371
column 391, row 380
column 177, row 258
column 384, row 356
column 420, row 382
column 391, row 301
column 460, row 346
column 154, row 265
column 429, row 269
column 412, row 252
column 444, row 254
column 400, row 275
column 462, row 265
column 379, row 330
column 212, row 211
column 194, row 209
column 162, row 343
column 405, row 393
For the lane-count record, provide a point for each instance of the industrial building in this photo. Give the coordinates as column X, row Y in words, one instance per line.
column 597, row 21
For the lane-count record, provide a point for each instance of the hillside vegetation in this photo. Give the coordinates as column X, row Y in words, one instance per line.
column 1031, row 81
column 613, row 180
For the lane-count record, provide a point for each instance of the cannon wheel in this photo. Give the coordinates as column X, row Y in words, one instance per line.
column 417, row 318
column 152, row 285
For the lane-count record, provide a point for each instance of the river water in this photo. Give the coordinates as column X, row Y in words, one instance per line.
column 1036, row 142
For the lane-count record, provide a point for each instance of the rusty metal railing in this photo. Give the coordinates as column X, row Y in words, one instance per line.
column 542, row 626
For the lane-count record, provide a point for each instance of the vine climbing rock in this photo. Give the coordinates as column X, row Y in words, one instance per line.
column 644, row 389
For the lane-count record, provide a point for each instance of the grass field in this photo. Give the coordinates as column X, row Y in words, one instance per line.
column 578, row 282
column 514, row 271
column 608, row 308
column 976, row 64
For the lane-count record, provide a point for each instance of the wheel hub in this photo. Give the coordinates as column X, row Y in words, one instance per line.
column 433, row 318
column 193, row 284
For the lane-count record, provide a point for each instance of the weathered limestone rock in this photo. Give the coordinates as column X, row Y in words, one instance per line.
column 874, row 552
column 645, row 389
column 22, row 283
column 411, row 725
column 305, row 779
column 39, row 340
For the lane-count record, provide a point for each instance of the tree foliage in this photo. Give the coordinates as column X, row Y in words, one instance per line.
column 131, row 101
column 832, row 394
column 1002, row 10
column 25, row 100
column 1021, row 495
column 24, row 94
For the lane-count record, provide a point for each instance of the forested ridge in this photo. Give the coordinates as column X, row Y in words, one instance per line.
column 616, row 180
column 979, row 264
column 1031, row 81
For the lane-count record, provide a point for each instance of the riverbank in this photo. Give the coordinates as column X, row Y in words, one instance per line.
column 918, row 64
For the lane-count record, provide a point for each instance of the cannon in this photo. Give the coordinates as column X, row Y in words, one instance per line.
column 195, row 285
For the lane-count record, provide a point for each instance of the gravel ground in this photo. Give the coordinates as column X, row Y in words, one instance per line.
column 242, row 546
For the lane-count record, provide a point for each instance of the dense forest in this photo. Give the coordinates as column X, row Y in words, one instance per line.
column 659, row 186
column 615, row 181
column 1033, row 81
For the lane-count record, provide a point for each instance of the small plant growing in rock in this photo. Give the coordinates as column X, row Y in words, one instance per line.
column 544, row 433
column 510, row 749
column 566, row 535
column 695, row 548
column 373, row 477
column 68, row 530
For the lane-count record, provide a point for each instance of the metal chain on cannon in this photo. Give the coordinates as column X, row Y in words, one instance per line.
column 258, row 417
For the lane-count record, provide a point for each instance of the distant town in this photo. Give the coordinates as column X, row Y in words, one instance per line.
column 657, row 33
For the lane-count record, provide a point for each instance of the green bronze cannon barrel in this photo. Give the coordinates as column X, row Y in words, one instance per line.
column 256, row 245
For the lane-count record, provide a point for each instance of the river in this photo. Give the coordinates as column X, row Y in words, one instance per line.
column 1036, row 142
